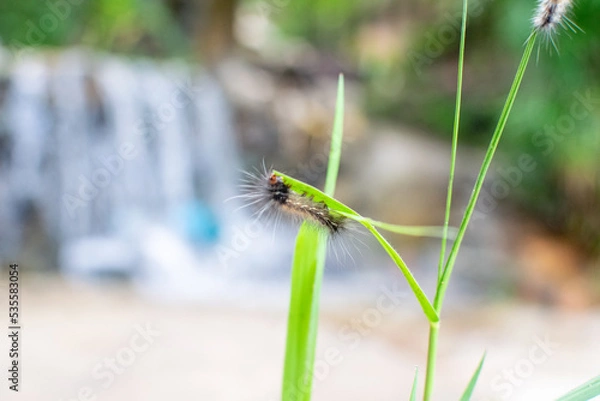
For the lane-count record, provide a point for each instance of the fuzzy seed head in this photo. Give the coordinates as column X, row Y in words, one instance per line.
column 550, row 14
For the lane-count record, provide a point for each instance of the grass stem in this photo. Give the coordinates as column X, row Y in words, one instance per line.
column 434, row 329
column 455, row 129
column 487, row 161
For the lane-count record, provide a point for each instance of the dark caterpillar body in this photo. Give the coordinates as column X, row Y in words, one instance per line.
column 275, row 198
column 303, row 206
column 279, row 191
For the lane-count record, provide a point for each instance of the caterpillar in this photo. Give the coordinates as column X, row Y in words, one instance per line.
column 274, row 197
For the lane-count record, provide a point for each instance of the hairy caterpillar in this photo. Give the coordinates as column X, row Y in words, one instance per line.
column 274, row 197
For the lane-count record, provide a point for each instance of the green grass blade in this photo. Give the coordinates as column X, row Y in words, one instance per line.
column 319, row 196
column 336, row 206
column 443, row 283
column 413, row 392
column 430, row 313
column 469, row 390
column 335, row 153
column 434, row 328
column 586, row 391
column 455, row 129
column 413, row 231
column 307, row 275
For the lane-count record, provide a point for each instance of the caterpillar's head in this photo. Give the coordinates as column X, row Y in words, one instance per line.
column 279, row 191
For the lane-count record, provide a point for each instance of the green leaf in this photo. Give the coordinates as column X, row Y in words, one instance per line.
column 303, row 316
column 586, row 391
column 336, row 206
column 319, row 196
column 455, row 129
column 469, row 390
column 413, row 392
column 307, row 275
column 335, row 153
column 414, row 231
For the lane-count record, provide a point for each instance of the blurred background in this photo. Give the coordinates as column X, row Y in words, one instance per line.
column 124, row 128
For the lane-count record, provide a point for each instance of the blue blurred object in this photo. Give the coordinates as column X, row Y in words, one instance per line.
column 198, row 223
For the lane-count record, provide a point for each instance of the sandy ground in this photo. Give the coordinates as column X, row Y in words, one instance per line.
column 83, row 342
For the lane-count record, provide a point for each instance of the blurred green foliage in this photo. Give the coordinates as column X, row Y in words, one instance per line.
column 31, row 23
column 132, row 26
column 328, row 24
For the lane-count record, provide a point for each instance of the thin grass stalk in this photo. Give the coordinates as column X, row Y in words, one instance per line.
column 449, row 266
column 487, row 161
column 455, row 129
column 434, row 327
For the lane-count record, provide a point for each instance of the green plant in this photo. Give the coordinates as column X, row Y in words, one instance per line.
column 310, row 251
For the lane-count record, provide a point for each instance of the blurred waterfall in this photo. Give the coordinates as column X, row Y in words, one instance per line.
column 125, row 166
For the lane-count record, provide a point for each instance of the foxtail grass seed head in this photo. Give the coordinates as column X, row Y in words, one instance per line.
column 552, row 14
